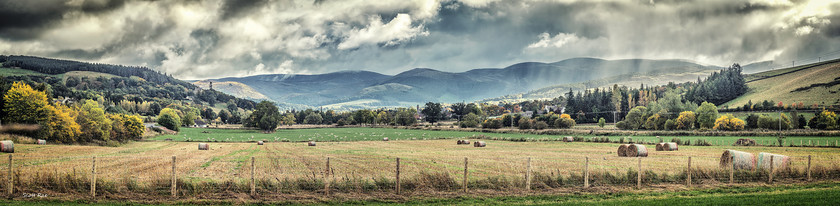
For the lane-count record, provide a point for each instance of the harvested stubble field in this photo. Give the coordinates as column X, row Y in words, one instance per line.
column 374, row 134
column 369, row 166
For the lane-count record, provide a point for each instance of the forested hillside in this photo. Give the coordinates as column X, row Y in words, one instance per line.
column 73, row 98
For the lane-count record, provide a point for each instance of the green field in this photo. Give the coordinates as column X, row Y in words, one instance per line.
column 813, row 194
column 4, row 71
column 377, row 134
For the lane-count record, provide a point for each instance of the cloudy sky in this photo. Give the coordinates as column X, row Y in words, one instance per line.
column 210, row 39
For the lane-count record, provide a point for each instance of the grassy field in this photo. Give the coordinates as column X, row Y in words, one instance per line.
column 811, row 194
column 4, row 71
column 768, row 86
column 376, row 134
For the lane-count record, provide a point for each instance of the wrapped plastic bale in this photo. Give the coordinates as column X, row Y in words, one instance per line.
column 311, row 143
column 568, row 139
column 622, row 150
column 670, row 146
column 7, row 146
column 203, row 146
column 637, row 150
column 743, row 160
column 660, row 146
column 779, row 161
column 260, row 142
column 744, row 142
column 41, row 142
column 479, row 144
column 463, row 142
column 385, row 139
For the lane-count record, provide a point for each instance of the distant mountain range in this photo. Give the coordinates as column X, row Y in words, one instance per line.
column 365, row 89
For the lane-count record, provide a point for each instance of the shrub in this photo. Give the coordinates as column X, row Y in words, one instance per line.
column 706, row 115
column 729, row 123
column 564, row 122
column 655, row 122
column 601, row 122
column 540, row 125
column 492, row 124
column 824, row 120
column 752, row 121
column 669, row 124
column 169, row 118
column 685, row 120
column 470, row 120
column 635, row 118
column 524, row 123
column 767, row 122
column 622, row 125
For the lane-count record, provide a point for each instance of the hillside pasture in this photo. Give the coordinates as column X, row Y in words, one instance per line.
column 779, row 86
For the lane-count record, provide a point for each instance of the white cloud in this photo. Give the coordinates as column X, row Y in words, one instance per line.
column 394, row 32
column 557, row 41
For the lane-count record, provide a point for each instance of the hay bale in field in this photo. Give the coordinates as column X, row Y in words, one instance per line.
column 203, row 146
column 7, row 146
column 743, row 160
column 41, row 142
column 670, row 146
column 744, row 142
column 637, row 150
column 311, row 143
column 779, row 161
column 385, row 139
column 568, row 139
column 622, row 150
column 260, row 142
column 479, row 144
column 463, row 142
column 660, row 146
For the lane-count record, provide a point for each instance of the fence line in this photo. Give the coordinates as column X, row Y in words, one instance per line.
column 262, row 175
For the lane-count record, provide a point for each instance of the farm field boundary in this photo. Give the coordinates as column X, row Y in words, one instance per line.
column 348, row 171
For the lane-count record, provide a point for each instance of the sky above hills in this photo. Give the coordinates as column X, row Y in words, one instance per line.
column 212, row 39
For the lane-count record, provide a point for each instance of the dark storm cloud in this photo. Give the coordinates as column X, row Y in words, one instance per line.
column 208, row 39
column 236, row 8
column 25, row 20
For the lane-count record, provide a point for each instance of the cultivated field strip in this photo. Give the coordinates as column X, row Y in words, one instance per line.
column 146, row 163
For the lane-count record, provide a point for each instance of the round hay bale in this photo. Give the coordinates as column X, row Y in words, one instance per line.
column 41, row 142
column 637, row 150
column 670, row 146
column 779, row 161
column 743, row 160
column 260, row 142
column 7, row 146
column 203, row 146
column 622, row 150
column 311, row 143
column 463, row 142
column 479, row 144
column 745, row 142
column 385, row 139
column 660, row 146
column 568, row 139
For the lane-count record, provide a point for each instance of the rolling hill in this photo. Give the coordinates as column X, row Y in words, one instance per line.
column 362, row 89
column 810, row 84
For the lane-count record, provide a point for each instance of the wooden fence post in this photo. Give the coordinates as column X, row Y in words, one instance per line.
column 465, row 175
column 327, row 178
column 732, row 170
column 253, row 178
column 770, row 175
column 809, row 168
column 174, row 183
column 688, row 181
column 639, row 176
column 10, row 187
column 398, row 176
column 586, row 173
column 93, row 179
column 528, row 175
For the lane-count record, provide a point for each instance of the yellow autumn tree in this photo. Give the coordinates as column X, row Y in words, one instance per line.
column 686, row 120
column 729, row 123
column 25, row 105
column 61, row 125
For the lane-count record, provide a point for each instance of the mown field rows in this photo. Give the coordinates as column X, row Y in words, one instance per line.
column 146, row 162
column 373, row 134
